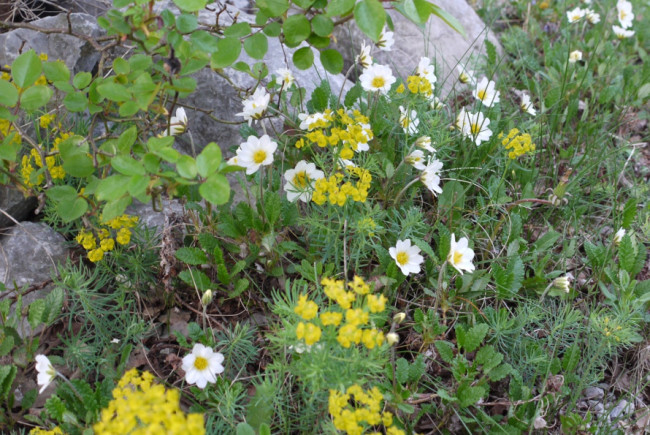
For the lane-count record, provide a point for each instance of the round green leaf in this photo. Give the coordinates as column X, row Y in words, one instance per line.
column 35, row 97
column 318, row 41
column 56, row 71
column 190, row 5
column 228, row 50
column 332, row 61
column 303, row 58
column 322, row 25
column 204, row 41
column 76, row 102
column 71, row 210
column 185, row 23
column 209, row 160
column 273, row 29
column 339, row 7
column 370, row 17
column 127, row 165
column 296, row 29
column 256, row 46
column 129, row 108
column 26, row 69
column 82, row 79
column 272, row 8
column 238, row 30
column 79, row 165
column 186, row 167
column 215, row 189
column 8, row 94
column 114, row 91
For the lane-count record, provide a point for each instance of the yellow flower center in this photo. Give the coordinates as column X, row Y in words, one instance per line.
column 300, row 179
column 464, row 78
column 402, row 258
column 482, row 94
column 475, row 128
column 200, row 363
column 457, row 257
column 259, row 156
column 378, row 82
column 623, row 14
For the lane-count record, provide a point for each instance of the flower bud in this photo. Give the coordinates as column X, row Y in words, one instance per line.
column 562, row 283
column 619, row 236
column 206, row 298
column 424, row 142
column 399, row 318
column 392, row 338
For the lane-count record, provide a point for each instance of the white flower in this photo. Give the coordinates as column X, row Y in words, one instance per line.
column 619, row 235
column 575, row 15
column 300, row 181
column 486, row 93
column 430, row 176
column 563, row 283
column 285, row 78
column 46, row 372
column 255, row 106
column 424, row 142
column 435, row 103
column 622, row 33
column 526, row 105
column 592, row 16
column 202, row 366
column 377, row 78
column 409, row 121
column 474, row 126
column 255, row 153
column 460, row 255
column 310, row 122
column 416, row 159
column 177, row 124
column 426, row 70
column 407, row 257
column 115, row 340
column 625, row 15
column 464, row 75
column 386, row 40
column 575, row 56
column 345, row 163
column 233, row 161
column 363, row 58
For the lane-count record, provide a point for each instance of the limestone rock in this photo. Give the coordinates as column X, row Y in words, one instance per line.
column 154, row 219
column 14, row 203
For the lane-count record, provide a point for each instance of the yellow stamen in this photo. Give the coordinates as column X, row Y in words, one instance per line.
column 259, row 156
column 402, row 258
column 200, row 363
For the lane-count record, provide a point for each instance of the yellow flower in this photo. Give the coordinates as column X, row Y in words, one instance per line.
column 123, row 236
column 96, row 255
column 349, row 334
column 305, row 308
column 359, row 285
column 356, row 317
column 107, row 244
column 331, row 318
column 45, row 120
column 376, row 304
column 309, row 332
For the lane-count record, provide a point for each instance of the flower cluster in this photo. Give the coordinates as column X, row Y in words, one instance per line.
column 625, row 18
column 518, row 144
column 349, row 131
column 337, row 191
column 578, row 14
column 141, row 407
column 255, row 106
column 38, row 431
column 104, row 239
column 364, row 414
column 350, row 313
column 31, row 169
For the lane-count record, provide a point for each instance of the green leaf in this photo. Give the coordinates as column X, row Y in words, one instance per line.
column 500, row 372
column 55, row 408
column 6, row 346
column 61, row 193
column 192, row 256
column 424, row 246
column 111, row 187
column 215, row 189
column 468, row 395
column 273, row 8
column 352, row 95
column 296, row 29
column 209, row 160
column 273, row 29
column 76, row 101
column 190, row 5
column 238, row 30
column 7, row 376
column 127, row 139
column 571, row 358
column 244, row 429
column 272, row 206
column 35, row 97
column 240, row 287
column 127, row 165
column 417, row 11
column 332, row 61
column 79, row 165
column 402, row 370
column 116, row 208
column 319, row 99
column 53, row 305
column 470, row 340
column 204, row 41
column 488, row 357
column 196, row 278
column 36, row 310
column 121, row 66
column 256, row 45
column 186, row 167
column 449, row 19
column 370, row 16
column 491, row 53
column 446, row 350
column 322, row 25
column 227, row 53
column 546, row 242
column 8, row 94
column 626, row 254
column 26, row 69
column 303, row 58
column 82, row 80
column 185, row 23
column 644, row 91
column 69, row 210
column 629, row 212
column 114, row 91
column 339, row 7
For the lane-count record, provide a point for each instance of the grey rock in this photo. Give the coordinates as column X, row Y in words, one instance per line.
column 437, row 41
column 155, row 219
column 598, row 409
column 14, row 203
column 593, row 393
column 77, row 54
column 621, row 409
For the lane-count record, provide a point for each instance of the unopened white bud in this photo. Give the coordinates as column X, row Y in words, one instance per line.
column 619, row 236
column 392, row 338
column 562, row 283
column 206, row 298
column 399, row 318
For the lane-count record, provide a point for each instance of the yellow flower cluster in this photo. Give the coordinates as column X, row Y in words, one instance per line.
column 610, row 329
column 141, row 407
column 346, row 130
column 338, row 192
column 45, row 120
column 104, row 241
column 352, row 331
column 419, row 85
column 518, row 144
column 39, row 431
column 367, row 225
column 354, row 420
column 33, row 160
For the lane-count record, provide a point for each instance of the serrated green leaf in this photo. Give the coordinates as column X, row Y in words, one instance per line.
column 192, row 256
column 571, row 358
column 500, row 372
column 193, row 277
column 352, row 95
column 402, row 370
column 446, row 350
column 36, row 310
column 424, row 246
column 471, row 339
column 272, row 207
column 629, row 212
column 53, row 305
column 7, row 376
column 468, row 395
column 626, row 254
column 55, row 408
